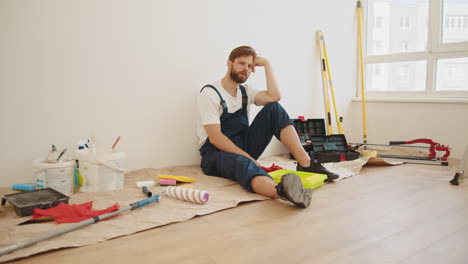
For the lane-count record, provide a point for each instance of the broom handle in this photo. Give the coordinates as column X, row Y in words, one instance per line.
column 26, row 243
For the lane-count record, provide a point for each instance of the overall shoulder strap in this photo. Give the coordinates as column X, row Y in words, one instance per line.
column 223, row 103
column 244, row 96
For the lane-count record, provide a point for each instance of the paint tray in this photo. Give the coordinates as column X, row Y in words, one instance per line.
column 309, row 180
column 25, row 202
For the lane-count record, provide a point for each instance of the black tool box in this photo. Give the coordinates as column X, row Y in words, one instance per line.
column 307, row 128
column 324, row 148
column 331, row 148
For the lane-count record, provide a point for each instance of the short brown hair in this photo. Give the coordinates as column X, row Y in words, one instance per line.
column 241, row 52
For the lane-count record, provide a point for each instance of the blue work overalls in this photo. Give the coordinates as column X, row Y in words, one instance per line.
column 253, row 140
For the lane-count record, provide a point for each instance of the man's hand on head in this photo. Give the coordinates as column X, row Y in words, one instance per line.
column 261, row 62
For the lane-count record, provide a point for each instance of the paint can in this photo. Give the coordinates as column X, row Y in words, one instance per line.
column 58, row 176
column 102, row 172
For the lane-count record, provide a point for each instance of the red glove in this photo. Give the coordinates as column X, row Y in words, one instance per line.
column 272, row 168
column 66, row 213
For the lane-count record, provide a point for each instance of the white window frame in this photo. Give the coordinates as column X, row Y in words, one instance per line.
column 435, row 50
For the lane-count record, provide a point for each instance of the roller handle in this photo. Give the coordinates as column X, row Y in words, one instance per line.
column 397, row 142
column 146, row 191
column 89, row 221
column 153, row 199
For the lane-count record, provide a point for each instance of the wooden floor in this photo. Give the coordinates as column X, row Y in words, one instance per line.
column 402, row 214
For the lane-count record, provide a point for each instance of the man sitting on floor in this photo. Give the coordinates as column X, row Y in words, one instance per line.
column 230, row 147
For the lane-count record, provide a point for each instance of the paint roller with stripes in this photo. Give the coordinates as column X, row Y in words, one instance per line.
column 185, row 194
column 189, row 195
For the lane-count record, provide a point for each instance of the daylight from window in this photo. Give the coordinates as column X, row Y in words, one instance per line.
column 396, row 27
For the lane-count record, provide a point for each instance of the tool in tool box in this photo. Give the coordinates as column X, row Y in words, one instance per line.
column 73, row 227
column 462, row 171
column 430, row 159
column 328, row 85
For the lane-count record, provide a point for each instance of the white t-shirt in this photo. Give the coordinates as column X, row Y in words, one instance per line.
column 209, row 109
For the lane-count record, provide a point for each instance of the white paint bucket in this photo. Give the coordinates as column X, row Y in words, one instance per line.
column 58, row 176
column 102, row 172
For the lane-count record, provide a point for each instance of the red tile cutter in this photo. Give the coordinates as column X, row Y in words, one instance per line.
column 430, row 159
column 432, row 149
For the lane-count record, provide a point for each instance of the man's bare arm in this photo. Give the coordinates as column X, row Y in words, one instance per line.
column 272, row 93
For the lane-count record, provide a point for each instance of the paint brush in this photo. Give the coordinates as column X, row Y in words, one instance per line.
column 38, row 220
column 115, row 143
column 61, row 154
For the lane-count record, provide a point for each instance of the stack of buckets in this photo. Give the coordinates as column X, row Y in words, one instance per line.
column 100, row 172
column 58, row 176
column 90, row 172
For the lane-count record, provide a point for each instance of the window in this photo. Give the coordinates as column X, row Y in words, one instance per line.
column 404, row 22
column 378, row 46
column 454, row 22
column 452, row 74
column 396, row 76
column 377, row 69
column 421, row 50
column 404, row 46
column 403, row 73
column 378, row 22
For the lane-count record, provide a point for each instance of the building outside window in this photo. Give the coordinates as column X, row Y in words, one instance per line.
column 404, row 46
column 378, row 22
column 404, row 22
column 421, row 50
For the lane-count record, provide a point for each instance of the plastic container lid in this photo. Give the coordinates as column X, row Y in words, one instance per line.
column 41, row 164
column 100, row 156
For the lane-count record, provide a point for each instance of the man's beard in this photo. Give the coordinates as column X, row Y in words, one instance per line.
column 237, row 77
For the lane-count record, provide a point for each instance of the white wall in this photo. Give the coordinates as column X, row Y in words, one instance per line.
column 445, row 123
column 73, row 69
